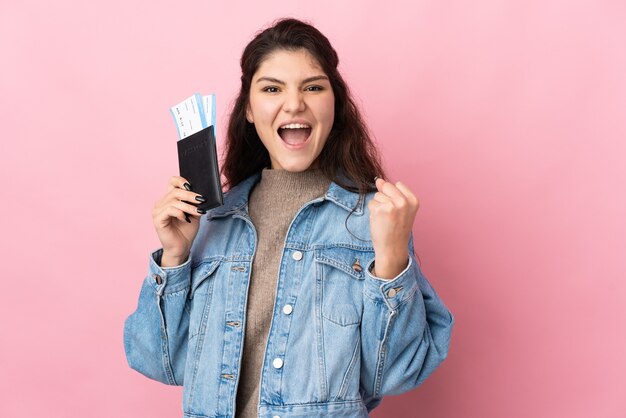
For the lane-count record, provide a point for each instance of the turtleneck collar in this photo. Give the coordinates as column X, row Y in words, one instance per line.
column 282, row 182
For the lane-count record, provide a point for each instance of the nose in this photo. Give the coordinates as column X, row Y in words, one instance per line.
column 294, row 102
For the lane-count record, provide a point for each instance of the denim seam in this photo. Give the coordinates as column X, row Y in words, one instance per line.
column 305, row 246
column 382, row 354
column 350, row 324
column 406, row 298
column 346, row 378
column 201, row 332
column 320, row 331
column 167, row 366
column 175, row 292
column 341, row 266
column 343, row 245
column 189, row 415
column 216, row 263
column 322, row 404
column 207, row 260
column 377, row 299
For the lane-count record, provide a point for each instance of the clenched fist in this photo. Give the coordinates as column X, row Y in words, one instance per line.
column 392, row 212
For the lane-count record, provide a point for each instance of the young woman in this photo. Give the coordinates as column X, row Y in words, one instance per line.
column 301, row 295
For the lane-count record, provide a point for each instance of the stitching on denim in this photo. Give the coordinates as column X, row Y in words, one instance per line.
column 165, row 358
column 383, row 354
column 319, row 298
column 377, row 300
column 189, row 415
column 198, row 263
column 175, row 293
column 351, row 366
column 350, row 402
column 349, row 324
column 201, row 332
column 343, row 245
column 205, row 276
column 303, row 246
column 341, row 266
column 407, row 298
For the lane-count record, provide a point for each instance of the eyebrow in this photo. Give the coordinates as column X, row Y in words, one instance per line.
column 306, row 80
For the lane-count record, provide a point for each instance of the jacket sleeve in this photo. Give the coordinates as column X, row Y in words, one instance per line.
column 155, row 335
column 405, row 332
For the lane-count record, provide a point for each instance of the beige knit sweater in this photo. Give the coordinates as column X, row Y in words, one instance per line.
column 273, row 204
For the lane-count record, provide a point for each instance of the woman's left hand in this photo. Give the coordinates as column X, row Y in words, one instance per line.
column 392, row 212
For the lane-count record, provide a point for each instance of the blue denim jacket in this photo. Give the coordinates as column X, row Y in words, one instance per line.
column 340, row 338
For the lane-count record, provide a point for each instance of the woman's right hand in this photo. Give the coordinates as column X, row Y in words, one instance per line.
column 175, row 232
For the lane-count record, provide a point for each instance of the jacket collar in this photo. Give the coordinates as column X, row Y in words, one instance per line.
column 236, row 199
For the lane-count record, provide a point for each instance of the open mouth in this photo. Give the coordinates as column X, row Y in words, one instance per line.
column 294, row 133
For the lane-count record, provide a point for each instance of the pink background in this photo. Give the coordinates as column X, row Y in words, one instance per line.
column 507, row 119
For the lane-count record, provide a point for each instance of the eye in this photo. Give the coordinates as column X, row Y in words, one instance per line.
column 270, row 89
column 314, row 88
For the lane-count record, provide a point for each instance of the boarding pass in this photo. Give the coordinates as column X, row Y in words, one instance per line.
column 194, row 114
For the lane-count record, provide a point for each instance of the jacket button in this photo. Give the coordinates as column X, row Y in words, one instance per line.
column 297, row 255
column 287, row 309
column 275, row 416
column 277, row 363
column 392, row 293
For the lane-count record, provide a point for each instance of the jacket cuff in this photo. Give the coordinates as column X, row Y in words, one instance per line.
column 391, row 292
column 166, row 280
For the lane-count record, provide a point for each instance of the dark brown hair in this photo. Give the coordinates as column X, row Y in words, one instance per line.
column 349, row 157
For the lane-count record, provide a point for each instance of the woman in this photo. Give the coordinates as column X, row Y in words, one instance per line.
column 301, row 295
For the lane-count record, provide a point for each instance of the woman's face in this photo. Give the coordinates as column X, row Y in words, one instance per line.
column 292, row 106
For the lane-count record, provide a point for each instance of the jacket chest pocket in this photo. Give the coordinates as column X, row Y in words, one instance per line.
column 202, row 278
column 340, row 275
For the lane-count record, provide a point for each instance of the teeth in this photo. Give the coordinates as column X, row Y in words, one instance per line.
column 295, row 126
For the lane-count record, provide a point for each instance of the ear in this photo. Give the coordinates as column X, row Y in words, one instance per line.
column 249, row 114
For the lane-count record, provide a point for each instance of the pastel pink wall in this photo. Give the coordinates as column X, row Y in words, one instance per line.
column 507, row 118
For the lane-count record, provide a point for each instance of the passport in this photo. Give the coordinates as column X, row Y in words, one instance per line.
column 197, row 163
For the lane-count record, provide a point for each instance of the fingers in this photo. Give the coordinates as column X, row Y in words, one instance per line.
column 184, row 207
column 399, row 194
column 408, row 194
column 178, row 202
column 388, row 189
column 382, row 198
column 176, row 190
column 177, row 209
column 177, row 182
column 184, row 195
column 173, row 212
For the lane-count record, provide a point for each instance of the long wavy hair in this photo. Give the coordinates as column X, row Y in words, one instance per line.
column 349, row 157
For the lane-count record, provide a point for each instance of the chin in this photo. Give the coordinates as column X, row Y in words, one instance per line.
column 296, row 166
